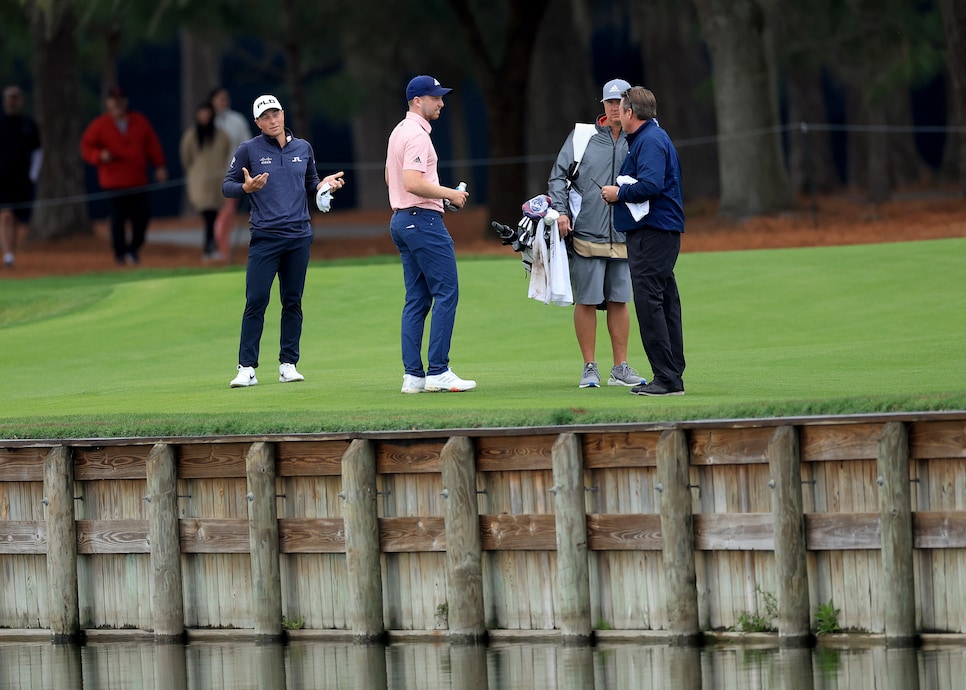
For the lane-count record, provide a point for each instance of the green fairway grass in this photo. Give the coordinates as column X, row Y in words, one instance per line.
column 767, row 333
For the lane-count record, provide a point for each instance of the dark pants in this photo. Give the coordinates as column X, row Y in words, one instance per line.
column 651, row 255
column 432, row 283
column 129, row 207
column 288, row 258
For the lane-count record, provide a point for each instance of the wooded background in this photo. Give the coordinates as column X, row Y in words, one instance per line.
column 764, row 99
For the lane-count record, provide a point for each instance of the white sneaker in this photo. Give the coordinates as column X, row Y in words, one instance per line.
column 246, row 377
column 413, row 384
column 448, row 381
column 287, row 373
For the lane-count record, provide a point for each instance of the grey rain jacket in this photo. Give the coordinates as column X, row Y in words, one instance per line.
column 601, row 160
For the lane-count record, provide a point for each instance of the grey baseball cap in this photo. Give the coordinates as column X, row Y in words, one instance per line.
column 613, row 89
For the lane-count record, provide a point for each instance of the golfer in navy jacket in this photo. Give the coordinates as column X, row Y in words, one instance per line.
column 278, row 173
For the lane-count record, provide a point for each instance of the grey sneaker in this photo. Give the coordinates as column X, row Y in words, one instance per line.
column 624, row 375
column 590, row 378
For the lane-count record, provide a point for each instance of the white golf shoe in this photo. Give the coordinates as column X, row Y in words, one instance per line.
column 448, row 381
column 287, row 373
column 245, row 377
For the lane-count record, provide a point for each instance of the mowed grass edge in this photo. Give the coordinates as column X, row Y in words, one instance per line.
column 838, row 330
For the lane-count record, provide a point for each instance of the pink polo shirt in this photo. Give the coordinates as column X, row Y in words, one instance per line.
column 410, row 148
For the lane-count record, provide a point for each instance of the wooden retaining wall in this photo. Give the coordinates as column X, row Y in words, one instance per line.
column 674, row 528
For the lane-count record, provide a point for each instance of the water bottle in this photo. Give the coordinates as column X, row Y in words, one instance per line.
column 449, row 204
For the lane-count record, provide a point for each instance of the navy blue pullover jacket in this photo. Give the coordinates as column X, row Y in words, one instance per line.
column 282, row 205
column 653, row 161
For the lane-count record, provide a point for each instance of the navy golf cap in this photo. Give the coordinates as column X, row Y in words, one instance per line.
column 425, row 85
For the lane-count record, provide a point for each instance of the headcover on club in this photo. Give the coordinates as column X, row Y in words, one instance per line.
column 323, row 198
column 540, row 207
column 537, row 207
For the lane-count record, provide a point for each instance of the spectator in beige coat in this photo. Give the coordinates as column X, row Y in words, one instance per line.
column 204, row 150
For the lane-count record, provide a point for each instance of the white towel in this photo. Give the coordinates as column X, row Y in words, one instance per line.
column 637, row 210
column 550, row 275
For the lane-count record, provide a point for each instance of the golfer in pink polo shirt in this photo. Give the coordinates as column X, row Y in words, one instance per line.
column 424, row 243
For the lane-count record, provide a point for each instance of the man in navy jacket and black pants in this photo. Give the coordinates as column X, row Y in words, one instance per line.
column 278, row 173
column 651, row 173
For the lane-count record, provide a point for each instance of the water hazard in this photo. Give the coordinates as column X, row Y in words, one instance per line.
column 214, row 666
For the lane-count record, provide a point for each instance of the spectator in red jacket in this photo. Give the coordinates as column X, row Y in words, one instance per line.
column 120, row 144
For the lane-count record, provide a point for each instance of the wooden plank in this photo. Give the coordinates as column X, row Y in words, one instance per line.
column 932, row 529
column 412, row 534
column 620, row 449
column 214, row 535
column 22, row 464
column 839, row 441
column 111, row 462
column 842, row 531
column 113, row 536
column 23, row 537
column 607, row 532
column 418, row 455
column 310, row 458
column 938, row 439
column 734, row 532
column 730, row 446
column 512, row 453
column 311, row 535
column 518, row 532
column 211, row 460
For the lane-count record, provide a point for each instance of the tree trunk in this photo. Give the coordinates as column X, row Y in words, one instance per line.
column 376, row 111
column 502, row 63
column 297, row 109
column 684, row 107
column 954, row 24
column 811, row 163
column 753, row 176
column 60, row 210
column 200, row 57
column 562, row 91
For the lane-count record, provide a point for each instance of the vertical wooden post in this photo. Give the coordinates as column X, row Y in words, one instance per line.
column 791, row 565
column 61, row 546
column 572, row 594
column 362, row 541
column 167, row 596
column 677, row 530
column 895, row 516
column 464, row 547
column 263, row 540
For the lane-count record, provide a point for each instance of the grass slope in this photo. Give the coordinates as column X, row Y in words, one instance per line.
column 779, row 332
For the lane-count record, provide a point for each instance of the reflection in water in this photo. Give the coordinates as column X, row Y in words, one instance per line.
column 243, row 665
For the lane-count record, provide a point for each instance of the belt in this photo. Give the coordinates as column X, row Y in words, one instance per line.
column 413, row 210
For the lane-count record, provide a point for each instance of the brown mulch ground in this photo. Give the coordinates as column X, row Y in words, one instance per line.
column 835, row 221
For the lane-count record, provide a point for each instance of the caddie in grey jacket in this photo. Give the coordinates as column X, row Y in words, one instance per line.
column 598, row 260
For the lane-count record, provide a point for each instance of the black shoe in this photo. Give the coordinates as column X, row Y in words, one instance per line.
column 655, row 388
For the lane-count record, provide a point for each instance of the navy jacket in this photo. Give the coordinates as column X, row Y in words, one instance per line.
column 653, row 161
column 282, row 205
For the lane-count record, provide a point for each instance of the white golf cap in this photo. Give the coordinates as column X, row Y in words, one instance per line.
column 613, row 89
column 263, row 103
